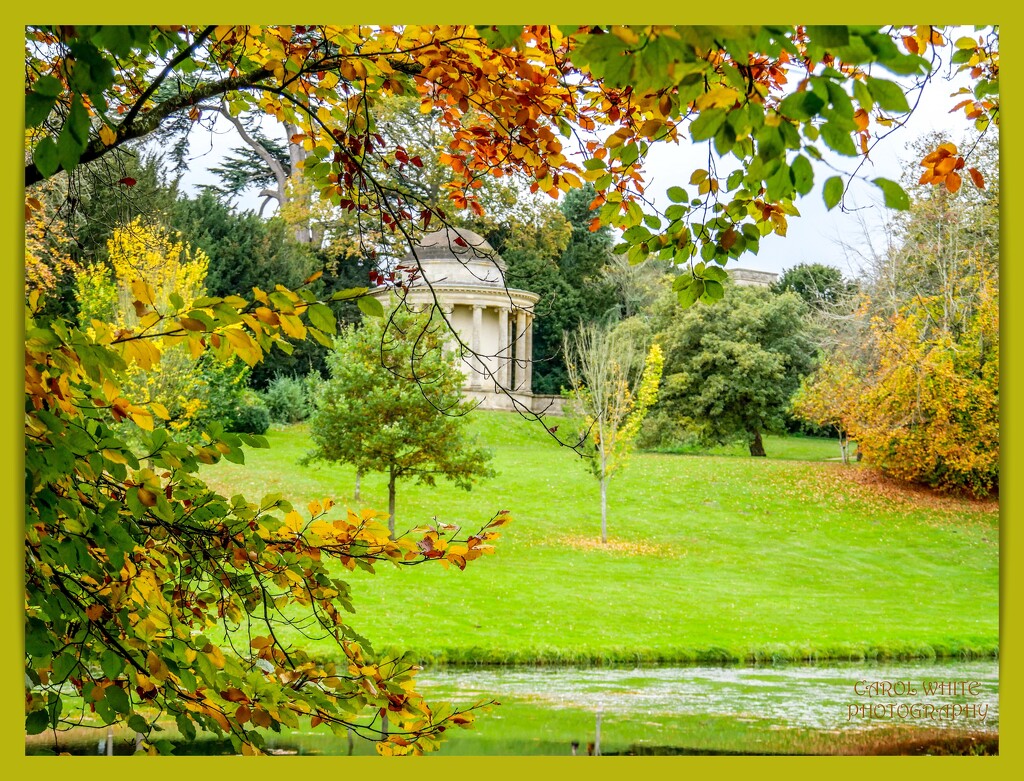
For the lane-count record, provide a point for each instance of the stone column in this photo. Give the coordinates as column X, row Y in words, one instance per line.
column 501, row 377
column 450, row 345
column 476, row 361
column 521, row 356
column 528, row 374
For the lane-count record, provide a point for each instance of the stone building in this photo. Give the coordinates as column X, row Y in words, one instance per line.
column 494, row 323
column 748, row 276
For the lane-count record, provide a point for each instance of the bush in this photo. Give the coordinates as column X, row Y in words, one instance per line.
column 286, row 399
column 249, row 415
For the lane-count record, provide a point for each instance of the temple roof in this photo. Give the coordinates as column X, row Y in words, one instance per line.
column 443, row 261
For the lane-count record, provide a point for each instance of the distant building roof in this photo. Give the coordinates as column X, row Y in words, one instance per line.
column 456, row 257
column 748, row 276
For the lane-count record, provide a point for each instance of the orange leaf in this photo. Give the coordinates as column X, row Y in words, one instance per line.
column 953, row 182
column 977, row 178
column 945, row 166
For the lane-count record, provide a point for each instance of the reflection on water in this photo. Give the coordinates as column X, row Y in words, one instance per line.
column 792, row 695
column 680, row 710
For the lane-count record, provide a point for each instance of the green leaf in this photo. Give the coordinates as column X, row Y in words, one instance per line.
column 138, row 723
column 36, row 722
column 117, row 699
column 46, row 157
column 713, row 291
column 803, row 174
column 688, row 295
column 38, row 640
column 895, row 196
column 801, row 105
column 111, row 664
column 706, row 125
column 677, row 194
column 78, row 122
column 833, row 191
column 48, row 86
column 838, row 139
column 68, row 149
column 352, row 292
column 863, row 95
column 371, row 306
column 37, row 108
column 629, row 153
column 840, row 100
column 828, row 35
column 888, row 95
column 322, row 317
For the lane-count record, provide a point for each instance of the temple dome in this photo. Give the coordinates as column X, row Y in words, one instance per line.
column 443, row 261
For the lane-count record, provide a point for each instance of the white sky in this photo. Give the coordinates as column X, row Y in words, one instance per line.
column 817, row 236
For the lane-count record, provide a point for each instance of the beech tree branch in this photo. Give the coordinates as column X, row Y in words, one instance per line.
column 148, row 122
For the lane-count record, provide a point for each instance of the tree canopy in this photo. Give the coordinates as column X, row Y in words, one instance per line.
column 730, row 370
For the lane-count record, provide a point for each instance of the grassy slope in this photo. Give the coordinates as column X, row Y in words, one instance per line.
column 711, row 557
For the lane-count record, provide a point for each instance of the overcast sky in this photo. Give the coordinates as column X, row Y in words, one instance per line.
column 817, row 236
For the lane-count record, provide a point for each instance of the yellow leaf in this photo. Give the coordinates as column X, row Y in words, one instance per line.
column 143, row 419
column 160, row 410
column 293, row 522
column 143, row 292
column 107, row 135
column 719, row 97
column 157, row 668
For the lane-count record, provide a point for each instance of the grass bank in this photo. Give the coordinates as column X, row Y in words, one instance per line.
column 712, row 558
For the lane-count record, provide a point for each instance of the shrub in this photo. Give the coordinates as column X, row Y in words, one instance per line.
column 249, row 415
column 286, row 399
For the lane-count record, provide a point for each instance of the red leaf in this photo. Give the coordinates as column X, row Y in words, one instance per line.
column 127, row 181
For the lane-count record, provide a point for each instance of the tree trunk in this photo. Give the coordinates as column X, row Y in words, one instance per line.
column 604, row 509
column 757, row 446
column 844, row 445
column 391, row 502
column 359, row 475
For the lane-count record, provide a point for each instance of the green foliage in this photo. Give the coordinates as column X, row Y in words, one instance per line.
column 104, row 201
column 820, row 286
column 248, row 415
column 393, row 404
column 244, row 250
column 134, row 567
column 286, row 400
column 731, row 368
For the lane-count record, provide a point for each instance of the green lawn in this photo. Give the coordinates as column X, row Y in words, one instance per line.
column 709, row 558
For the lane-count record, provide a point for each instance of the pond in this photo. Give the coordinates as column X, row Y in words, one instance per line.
column 789, row 709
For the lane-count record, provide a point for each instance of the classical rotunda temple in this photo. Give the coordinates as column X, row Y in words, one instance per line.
column 493, row 321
